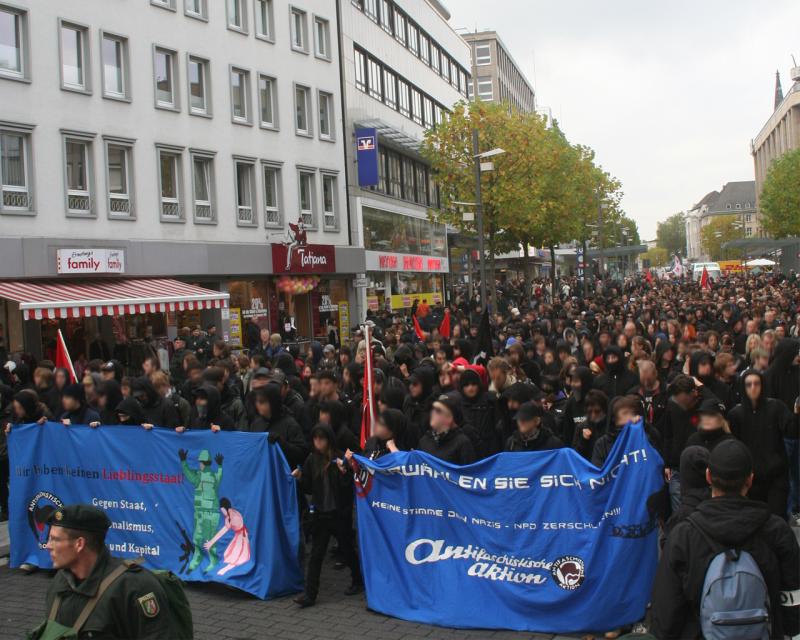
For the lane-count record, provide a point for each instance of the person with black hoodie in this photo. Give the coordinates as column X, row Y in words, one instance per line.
column 417, row 404
column 445, row 439
column 332, row 412
column 109, row 395
column 478, row 410
column 783, row 383
column 617, row 378
column 624, row 410
column 595, row 425
column 701, row 366
column 652, row 391
column 129, row 412
column 508, row 403
column 574, row 416
column 206, row 411
column 694, row 488
column 273, row 418
column 157, row 410
column 760, row 423
column 729, row 520
column 325, row 477
column 531, row 434
column 75, row 408
column 389, row 435
column 666, row 363
column 712, row 427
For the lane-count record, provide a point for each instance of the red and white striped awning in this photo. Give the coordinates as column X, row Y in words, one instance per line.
column 85, row 298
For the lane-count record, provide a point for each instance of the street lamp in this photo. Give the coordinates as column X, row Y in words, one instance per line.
column 477, row 156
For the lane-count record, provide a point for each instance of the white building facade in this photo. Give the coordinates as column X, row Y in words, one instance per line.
column 186, row 135
column 403, row 68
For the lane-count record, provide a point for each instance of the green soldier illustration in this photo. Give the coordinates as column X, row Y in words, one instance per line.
column 206, row 512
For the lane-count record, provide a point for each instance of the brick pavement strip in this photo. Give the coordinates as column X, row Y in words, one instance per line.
column 225, row 614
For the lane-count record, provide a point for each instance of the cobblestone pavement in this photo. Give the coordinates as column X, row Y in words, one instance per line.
column 224, row 614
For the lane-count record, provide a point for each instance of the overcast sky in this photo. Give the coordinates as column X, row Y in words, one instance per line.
column 669, row 94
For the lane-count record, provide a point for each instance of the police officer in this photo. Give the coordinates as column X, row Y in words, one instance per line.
column 93, row 593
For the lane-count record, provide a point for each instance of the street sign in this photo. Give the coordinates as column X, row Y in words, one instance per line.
column 360, row 283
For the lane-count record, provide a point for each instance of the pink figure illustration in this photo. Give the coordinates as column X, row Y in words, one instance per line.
column 238, row 550
column 297, row 238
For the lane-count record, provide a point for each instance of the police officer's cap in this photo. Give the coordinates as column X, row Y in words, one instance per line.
column 83, row 517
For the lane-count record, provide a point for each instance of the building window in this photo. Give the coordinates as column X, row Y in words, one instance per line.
column 371, row 9
column 483, row 54
column 237, row 15
column 435, row 60
column 393, row 174
column 390, row 88
column 421, row 184
column 322, row 38
column 264, row 20
column 199, row 103
column 13, row 43
column 78, row 172
column 326, row 131
column 413, row 39
column 115, row 66
column 399, row 26
column 329, row 209
column 240, row 95
column 272, row 196
column 299, row 30
column 386, row 16
column 196, row 9
column 361, row 70
column 427, row 111
column 446, row 68
column 425, row 48
column 306, row 187
column 267, row 102
column 75, row 71
column 165, row 78
column 485, row 89
column 164, row 4
column 14, row 172
column 748, row 232
column 302, row 96
column 408, row 178
column 203, row 188
column 169, row 180
column 375, row 72
column 403, row 97
column 748, row 217
column 416, row 105
column 245, row 192
column 738, row 205
column 119, row 180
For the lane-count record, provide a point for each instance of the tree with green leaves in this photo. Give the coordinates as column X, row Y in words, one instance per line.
column 657, row 256
column 780, row 197
column 720, row 230
column 671, row 234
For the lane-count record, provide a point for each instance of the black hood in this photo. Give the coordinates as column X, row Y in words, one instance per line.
column 212, row 395
column 586, row 378
column 693, row 465
column 393, row 394
column 272, row 394
column 732, row 520
column 285, row 362
column 746, row 403
column 785, row 352
column 327, row 430
column 143, row 385
column 520, row 392
column 30, row 402
column 397, row 422
column 619, row 366
column 698, row 358
column 113, row 393
column 131, row 408
column 661, row 349
column 427, row 376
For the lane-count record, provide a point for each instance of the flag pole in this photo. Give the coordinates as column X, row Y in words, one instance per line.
column 63, row 345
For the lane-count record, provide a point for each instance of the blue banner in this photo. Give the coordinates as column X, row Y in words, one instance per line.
column 367, row 157
column 527, row 541
column 218, row 507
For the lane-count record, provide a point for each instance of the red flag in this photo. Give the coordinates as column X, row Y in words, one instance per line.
column 704, row 283
column 648, row 275
column 444, row 328
column 368, row 401
column 418, row 330
column 63, row 360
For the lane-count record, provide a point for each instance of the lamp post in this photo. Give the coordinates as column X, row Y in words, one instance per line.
column 477, row 157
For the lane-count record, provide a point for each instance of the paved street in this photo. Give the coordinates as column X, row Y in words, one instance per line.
column 225, row 614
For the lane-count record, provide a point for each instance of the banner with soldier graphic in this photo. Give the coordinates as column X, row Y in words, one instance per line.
column 218, row 507
column 528, row 541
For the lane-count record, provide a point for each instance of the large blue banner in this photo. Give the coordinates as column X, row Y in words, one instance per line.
column 208, row 506
column 527, row 541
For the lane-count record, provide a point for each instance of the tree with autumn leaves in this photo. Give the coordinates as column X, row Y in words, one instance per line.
column 542, row 192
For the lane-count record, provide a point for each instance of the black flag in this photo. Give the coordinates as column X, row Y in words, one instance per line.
column 484, row 349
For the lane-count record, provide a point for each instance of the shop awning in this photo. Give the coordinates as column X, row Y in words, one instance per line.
column 85, row 298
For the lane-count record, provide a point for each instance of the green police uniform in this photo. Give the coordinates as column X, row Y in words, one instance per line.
column 134, row 605
column 206, row 508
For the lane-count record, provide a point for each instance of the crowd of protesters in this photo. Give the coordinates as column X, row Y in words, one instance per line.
column 702, row 367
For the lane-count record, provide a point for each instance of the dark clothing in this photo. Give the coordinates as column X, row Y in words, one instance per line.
column 479, row 412
column 605, row 443
column 582, row 445
column 454, row 446
column 324, row 526
column 119, row 613
column 543, row 440
column 617, row 378
column 286, row 433
column 676, row 427
column 707, row 439
column 654, row 401
column 158, row 411
column 176, row 372
column 213, row 414
column 83, row 415
column 783, row 379
column 232, row 404
column 690, row 499
column 733, row 522
column 762, row 429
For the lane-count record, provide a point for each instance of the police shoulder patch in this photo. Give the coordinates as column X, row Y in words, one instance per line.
column 149, row 605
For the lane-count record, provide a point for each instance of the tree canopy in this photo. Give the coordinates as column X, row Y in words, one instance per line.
column 720, row 230
column 671, row 234
column 780, row 197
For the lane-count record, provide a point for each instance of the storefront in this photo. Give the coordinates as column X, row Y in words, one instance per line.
column 406, row 260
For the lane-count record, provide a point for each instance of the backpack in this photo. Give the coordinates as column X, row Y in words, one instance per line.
column 734, row 603
column 180, row 611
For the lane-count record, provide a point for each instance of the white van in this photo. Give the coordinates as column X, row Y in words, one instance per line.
column 714, row 272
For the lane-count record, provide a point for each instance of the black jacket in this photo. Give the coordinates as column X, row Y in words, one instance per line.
column 544, row 440
column 454, row 446
column 582, row 445
column 783, row 378
column 707, row 439
column 315, row 471
column 761, row 428
column 214, row 414
column 732, row 521
column 604, row 444
column 574, row 416
column 158, row 411
column 653, row 402
column 286, row 433
column 479, row 412
column 617, row 378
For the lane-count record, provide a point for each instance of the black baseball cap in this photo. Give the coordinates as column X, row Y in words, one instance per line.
column 453, row 406
column 730, row 460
